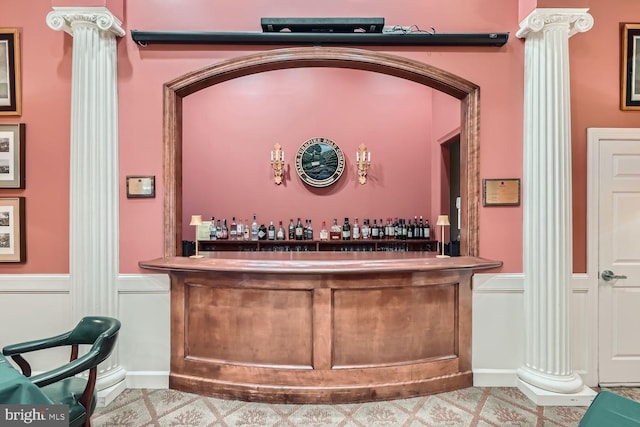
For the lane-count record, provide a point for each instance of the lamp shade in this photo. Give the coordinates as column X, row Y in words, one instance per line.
column 196, row 220
column 443, row 220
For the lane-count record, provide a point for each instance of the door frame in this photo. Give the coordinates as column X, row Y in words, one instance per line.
column 594, row 137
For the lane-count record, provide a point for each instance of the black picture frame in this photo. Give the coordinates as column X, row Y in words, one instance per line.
column 10, row 83
column 630, row 67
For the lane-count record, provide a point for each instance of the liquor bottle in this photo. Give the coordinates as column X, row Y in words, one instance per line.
column 355, row 230
column 346, row 229
column 410, row 229
column 254, row 228
column 262, row 232
column 233, row 230
column 375, row 232
column 396, row 229
column 280, row 232
column 218, row 230
column 389, row 232
column 299, row 230
column 324, row 233
column 212, row 229
column 246, row 231
column 271, row 232
column 427, row 230
column 292, row 230
column 309, row 230
column 421, row 228
column 239, row 230
column 366, row 230
column 336, row 232
column 381, row 231
column 225, row 230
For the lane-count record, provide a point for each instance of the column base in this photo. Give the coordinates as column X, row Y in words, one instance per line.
column 108, row 395
column 550, row 398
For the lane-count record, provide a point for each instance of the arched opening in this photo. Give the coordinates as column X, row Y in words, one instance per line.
column 465, row 91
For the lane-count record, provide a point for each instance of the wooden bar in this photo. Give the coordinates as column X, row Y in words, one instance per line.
column 320, row 327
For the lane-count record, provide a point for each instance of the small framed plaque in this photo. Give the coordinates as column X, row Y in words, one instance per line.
column 501, row 192
column 141, row 186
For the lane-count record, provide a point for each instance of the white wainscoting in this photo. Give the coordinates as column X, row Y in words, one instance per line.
column 33, row 306
column 498, row 327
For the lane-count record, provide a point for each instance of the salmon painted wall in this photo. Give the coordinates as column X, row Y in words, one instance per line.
column 143, row 71
column 46, row 94
column 229, row 130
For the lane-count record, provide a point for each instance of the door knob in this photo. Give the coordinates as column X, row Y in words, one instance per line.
column 608, row 275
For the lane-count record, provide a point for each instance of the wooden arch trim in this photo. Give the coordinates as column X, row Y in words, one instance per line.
column 333, row 57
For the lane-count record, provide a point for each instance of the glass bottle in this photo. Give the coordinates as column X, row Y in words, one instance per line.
column 299, row 230
column 366, row 230
column 427, row 230
column 346, row 229
column 336, row 232
column 219, row 230
column 254, row 228
column 280, row 232
column 292, row 230
column 225, row 230
column 262, row 232
column 355, row 230
column 212, row 229
column 271, row 232
column 233, row 230
column 246, row 231
column 309, row 230
column 324, row 233
column 375, row 232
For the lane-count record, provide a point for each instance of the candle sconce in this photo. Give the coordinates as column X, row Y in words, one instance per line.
column 363, row 161
column 277, row 163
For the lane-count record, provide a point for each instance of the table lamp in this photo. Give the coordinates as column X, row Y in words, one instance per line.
column 443, row 220
column 196, row 220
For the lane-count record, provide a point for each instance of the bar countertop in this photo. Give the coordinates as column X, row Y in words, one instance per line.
column 318, row 262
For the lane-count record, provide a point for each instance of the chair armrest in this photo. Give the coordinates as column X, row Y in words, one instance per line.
column 81, row 364
column 41, row 344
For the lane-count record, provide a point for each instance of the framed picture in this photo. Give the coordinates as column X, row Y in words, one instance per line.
column 12, row 225
column 10, row 93
column 140, row 186
column 501, row 192
column 12, row 156
column 630, row 78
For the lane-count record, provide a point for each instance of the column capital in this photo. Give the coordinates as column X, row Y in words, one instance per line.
column 576, row 20
column 64, row 18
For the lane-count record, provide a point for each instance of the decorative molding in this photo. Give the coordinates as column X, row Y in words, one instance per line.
column 64, row 18
column 576, row 20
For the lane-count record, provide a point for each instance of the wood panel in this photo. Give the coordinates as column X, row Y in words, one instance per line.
column 392, row 326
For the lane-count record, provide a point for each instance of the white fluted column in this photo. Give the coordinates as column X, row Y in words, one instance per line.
column 547, row 203
column 93, row 221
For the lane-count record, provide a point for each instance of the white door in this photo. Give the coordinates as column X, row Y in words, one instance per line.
column 619, row 256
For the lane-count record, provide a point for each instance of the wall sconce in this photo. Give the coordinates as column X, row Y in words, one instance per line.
column 277, row 163
column 196, row 220
column 443, row 221
column 363, row 161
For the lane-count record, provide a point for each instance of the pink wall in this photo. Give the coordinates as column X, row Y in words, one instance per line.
column 46, row 60
column 230, row 129
column 46, row 93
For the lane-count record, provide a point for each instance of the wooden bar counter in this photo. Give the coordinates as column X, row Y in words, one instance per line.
column 320, row 327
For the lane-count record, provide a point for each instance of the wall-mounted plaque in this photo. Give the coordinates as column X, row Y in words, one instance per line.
column 141, row 186
column 319, row 162
column 501, row 192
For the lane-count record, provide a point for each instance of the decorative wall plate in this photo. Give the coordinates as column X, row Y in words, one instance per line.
column 319, row 162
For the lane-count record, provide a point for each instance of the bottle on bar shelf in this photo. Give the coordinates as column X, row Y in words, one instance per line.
column 292, row 230
column 225, row 230
column 246, row 231
column 324, row 233
column 280, row 232
column 254, row 228
column 233, row 230
column 336, row 232
column 299, row 230
column 365, row 231
column 309, row 230
column 426, row 230
column 271, row 232
column 346, row 229
column 212, row 229
column 262, row 232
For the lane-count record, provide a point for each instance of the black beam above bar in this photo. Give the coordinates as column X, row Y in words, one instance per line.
column 144, row 38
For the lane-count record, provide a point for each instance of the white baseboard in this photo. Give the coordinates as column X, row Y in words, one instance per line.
column 494, row 378
column 148, row 379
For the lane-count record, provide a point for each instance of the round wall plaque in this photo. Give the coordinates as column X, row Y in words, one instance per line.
column 319, row 162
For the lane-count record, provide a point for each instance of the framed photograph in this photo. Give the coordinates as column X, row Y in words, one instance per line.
column 12, row 234
column 630, row 78
column 12, row 156
column 10, row 88
column 501, row 192
column 141, row 186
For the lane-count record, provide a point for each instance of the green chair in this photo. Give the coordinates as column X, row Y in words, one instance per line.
column 62, row 385
column 611, row 410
